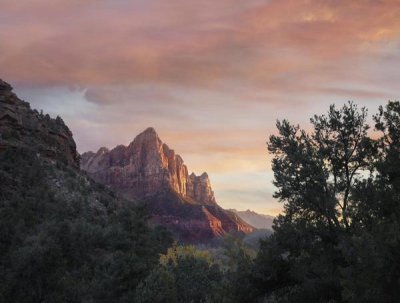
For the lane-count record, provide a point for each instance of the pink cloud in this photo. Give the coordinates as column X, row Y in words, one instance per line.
column 188, row 42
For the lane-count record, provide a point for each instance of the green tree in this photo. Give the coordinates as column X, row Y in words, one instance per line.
column 373, row 273
column 315, row 173
column 238, row 280
column 185, row 274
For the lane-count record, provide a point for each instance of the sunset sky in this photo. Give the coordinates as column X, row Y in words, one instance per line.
column 210, row 76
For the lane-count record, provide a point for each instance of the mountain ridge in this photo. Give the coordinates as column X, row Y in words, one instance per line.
column 260, row 221
column 147, row 169
column 21, row 126
column 146, row 158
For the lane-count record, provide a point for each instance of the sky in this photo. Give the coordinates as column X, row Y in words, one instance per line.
column 212, row 77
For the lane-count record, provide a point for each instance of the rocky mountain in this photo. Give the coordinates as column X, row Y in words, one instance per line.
column 145, row 167
column 148, row 170
column 20, row 126
column 259, row 221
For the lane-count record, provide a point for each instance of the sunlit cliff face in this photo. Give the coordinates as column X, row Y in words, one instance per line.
column 211, row 76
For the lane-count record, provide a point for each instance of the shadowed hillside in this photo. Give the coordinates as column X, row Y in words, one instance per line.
column 65, row 238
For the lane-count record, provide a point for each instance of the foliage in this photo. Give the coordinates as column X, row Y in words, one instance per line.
column 185, row 274
column 338, row 238
column 372, row 251
column 238, row 282
column 64, row 239
column 252, row 240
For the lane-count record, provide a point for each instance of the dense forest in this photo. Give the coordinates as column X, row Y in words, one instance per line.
column 65, row 238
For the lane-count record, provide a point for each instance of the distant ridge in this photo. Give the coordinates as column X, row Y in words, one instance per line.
column 257, row 220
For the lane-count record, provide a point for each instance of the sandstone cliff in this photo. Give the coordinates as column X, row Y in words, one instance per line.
column 145, row 167
column 148, row 170
column 20, row 126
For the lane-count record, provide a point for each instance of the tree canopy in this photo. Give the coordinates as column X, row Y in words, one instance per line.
column 338, row 237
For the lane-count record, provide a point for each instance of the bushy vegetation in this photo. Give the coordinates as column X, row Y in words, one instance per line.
column 184, row 275
column 192, row 274
column 67, row 239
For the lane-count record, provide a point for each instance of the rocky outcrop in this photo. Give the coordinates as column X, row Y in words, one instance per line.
column 147, row 169
column 20, row 126
column 199, row 189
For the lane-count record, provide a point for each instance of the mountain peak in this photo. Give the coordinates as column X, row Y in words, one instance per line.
column 204, row 175
column 5, row 87
column 152, row 168
column 149, row 132
column 7, row 95
column 149, row 138
column 102, row 150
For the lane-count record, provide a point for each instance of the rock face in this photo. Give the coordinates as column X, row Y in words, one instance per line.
column 20, row 126
column 147, row 169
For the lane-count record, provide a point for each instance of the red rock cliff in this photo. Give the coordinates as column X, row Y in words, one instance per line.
column 147, row 169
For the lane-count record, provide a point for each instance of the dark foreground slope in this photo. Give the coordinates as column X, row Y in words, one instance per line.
column 64, row 238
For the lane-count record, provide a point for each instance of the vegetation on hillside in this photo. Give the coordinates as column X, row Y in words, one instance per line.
column 66, row 238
